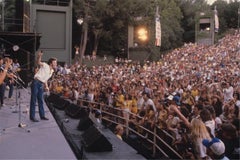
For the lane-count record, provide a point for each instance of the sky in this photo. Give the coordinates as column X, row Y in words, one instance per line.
column 211, row 1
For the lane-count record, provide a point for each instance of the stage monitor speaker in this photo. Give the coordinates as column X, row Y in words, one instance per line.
column 52, row 98
column 84, row 123
column 57, row 102
column 95, row 141
column 75, row 111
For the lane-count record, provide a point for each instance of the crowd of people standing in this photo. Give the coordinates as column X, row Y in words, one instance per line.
column 195, row 87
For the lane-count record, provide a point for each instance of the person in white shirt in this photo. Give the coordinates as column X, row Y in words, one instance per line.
column 148, row 102
column 215, row 149
column 41, row 77
column 208, row 120
column 227, row 91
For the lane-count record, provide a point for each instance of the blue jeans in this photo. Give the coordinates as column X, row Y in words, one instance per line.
column 37, row 95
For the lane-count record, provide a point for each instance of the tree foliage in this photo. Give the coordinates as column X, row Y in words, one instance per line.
column 109, row 20
column 189, row 9
column 171, row 17
column 8, row 8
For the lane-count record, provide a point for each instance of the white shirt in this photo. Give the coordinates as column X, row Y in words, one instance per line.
column 228, row 93
column 140, row 102
column 150, row 103
column 211, row 125
column 15, row 66
column 200, row 149
column 44, row 73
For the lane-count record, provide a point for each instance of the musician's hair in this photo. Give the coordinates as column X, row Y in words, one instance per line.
column 51, row 60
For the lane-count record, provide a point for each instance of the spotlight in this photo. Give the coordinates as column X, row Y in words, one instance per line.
column 15, row 48
column 80, row 21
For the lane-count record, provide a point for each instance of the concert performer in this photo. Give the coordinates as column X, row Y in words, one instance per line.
column 38, row 85
column 12, row 77
column 3, row 73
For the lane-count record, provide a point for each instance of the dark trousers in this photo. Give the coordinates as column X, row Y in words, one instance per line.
column 2, row 91
column 11, row 87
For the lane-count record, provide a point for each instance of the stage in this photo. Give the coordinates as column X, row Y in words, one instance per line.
column 38, row 140
column 57, row 138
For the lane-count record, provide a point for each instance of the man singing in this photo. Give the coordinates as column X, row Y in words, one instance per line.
column 41, row 77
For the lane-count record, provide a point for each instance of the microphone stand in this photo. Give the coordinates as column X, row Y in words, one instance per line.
column 18, row 105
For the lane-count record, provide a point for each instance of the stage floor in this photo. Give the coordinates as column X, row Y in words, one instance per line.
column 38, row 140
column 44, row 139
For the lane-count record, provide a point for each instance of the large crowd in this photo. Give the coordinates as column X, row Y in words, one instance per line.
column 194, row 89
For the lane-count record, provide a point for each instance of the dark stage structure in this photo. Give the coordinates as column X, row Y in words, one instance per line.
column 21, row 46
column 28, row 26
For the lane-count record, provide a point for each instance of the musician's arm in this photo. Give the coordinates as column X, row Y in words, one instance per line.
column 3, row 75
column 39, row 58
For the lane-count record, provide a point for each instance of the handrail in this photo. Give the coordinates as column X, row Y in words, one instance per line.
column 105, row 111
column 153, row 138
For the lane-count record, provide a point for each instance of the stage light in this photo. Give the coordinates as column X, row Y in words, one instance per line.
column 142, row 34
column 80, row 20
column 15, row 48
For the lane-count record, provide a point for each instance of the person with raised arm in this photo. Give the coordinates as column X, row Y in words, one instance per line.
column 40, row 83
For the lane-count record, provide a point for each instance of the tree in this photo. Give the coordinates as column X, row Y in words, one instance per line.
column 96, row 22
column 8, row 10
column 189, row 8
column 171, row 17
column 231, row 14
column 84, row 10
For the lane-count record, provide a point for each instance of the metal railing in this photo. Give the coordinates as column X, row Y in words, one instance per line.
column 114, row 115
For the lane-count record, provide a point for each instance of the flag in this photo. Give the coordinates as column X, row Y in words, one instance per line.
column 216, row 20
column 157, row 29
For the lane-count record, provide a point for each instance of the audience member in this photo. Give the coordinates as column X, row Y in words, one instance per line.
column 215, row 148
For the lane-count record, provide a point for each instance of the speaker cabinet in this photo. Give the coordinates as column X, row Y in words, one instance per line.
column 57, row 102
column 75, row 111
column 84, row 123
column 95, row 141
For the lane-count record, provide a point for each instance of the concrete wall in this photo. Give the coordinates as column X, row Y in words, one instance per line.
column 54, row 24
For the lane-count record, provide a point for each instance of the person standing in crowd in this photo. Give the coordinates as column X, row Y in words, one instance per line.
column 227, row 91
column 198, row 132
column 215, row 149
column 41, row 77
column 119, row 130
column 77, row 54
